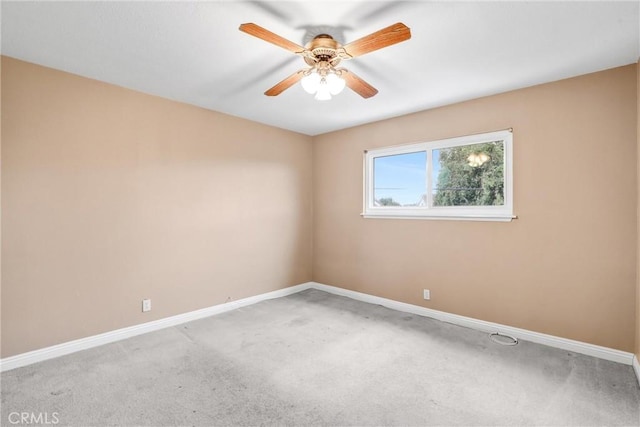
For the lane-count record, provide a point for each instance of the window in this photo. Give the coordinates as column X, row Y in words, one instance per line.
column 469, row 177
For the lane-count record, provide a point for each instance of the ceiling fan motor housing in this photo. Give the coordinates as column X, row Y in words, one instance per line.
column 323, row 48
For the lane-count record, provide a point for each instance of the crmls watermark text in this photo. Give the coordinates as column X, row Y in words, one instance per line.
column 27, row 418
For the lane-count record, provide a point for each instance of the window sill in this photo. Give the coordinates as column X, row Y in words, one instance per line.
column 494, row 218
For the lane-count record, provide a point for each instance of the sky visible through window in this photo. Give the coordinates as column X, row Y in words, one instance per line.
column 403, row 177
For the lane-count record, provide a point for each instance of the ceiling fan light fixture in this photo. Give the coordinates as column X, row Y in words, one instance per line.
column 310, row 82
column 322, row 82
column 336, row 83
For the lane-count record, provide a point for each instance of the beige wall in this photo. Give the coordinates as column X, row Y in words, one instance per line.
column 110, row 196
column 566, row 267
column 638, row 213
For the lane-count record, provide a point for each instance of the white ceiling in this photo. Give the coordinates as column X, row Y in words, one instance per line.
column 193, row 52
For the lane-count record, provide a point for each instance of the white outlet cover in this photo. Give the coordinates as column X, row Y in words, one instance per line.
column 427, row 294
column 146, row 305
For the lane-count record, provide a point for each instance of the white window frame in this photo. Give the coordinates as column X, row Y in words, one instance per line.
column 473, row 213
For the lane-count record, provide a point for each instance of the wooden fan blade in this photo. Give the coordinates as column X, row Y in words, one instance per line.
column 358, row 85
column 391, row 35
column 285, row 84
column 266, row 35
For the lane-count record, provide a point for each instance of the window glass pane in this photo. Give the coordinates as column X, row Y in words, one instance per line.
column 469, row 175
column 400, row 180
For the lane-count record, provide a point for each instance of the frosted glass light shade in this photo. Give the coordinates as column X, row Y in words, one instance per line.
column 335, row 83
column 311, row 82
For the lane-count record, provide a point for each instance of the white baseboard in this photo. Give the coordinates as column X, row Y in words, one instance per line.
column 481, row 325
column 636, row 367
column 46, row 353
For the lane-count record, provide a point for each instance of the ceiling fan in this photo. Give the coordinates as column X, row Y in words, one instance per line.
column 323, row 54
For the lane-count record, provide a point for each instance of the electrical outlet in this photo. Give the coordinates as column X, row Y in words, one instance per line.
column 427, row 294
column 146, row 305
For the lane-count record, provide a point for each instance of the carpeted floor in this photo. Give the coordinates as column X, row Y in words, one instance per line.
column 318, row 359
